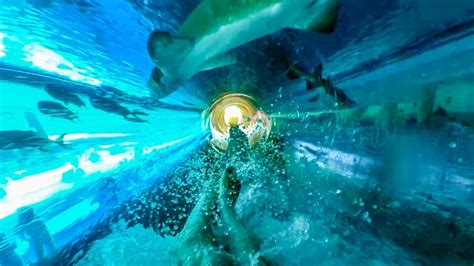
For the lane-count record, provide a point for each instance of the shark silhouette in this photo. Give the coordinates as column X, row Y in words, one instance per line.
column 217, row 26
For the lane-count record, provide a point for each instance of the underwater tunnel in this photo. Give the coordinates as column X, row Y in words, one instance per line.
column 231, row 132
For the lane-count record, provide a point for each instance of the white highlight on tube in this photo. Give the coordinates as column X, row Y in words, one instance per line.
column 32, row 189
column 148, row 150
column 77, row 136
column 48, row 60
column 2, row 45
column 35, row 188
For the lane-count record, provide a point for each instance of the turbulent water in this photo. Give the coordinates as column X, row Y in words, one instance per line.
column 373, row 165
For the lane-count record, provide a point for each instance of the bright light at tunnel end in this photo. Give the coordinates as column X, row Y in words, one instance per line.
column 236, row 109
column 232, row 115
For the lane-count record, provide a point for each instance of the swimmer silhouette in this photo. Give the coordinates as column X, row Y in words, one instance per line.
column 8, row 257
column 35, row 232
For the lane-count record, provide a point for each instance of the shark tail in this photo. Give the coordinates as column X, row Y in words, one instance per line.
column 137, row 117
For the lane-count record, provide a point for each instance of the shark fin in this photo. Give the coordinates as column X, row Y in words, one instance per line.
column 219, row 61
column 60, row 139
column 34, row 123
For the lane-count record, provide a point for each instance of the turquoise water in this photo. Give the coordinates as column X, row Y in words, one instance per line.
column 111, row 177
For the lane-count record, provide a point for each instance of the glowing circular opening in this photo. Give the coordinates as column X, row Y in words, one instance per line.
column 236, row 109
column 232, row 115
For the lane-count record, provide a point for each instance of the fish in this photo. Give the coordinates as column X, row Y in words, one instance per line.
column 57, row 110
column 215, row 27
column 315, row 79
column 20, row 139
column 64, row 95
column 113, row 107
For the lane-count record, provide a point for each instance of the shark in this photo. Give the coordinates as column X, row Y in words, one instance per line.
column 20, row 139
column 215, row 27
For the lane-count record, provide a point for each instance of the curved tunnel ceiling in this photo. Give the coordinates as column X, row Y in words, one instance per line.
column 377, row 55
column 368, row 36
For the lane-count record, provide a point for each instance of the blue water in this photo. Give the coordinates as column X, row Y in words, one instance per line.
column 356, row 186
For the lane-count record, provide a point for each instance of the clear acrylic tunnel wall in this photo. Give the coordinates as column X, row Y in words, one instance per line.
column 78, row 173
